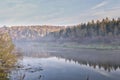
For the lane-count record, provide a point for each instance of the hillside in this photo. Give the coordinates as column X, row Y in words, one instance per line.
column 28, row 33
column 104, row 31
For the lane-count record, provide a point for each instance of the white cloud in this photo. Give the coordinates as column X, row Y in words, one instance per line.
column 25, row 12
column 111, row 13
column 93, row 15
column 100, row 5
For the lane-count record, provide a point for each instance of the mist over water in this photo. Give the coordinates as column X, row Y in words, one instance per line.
column 60, row 40
column 45, row 62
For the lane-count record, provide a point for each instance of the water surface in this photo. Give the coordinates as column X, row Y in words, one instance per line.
column 44, row 63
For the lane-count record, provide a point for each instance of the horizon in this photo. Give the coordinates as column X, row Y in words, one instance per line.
column 59, row 25
column 56, row 12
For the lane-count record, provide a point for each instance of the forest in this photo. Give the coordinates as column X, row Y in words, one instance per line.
column 105, row 31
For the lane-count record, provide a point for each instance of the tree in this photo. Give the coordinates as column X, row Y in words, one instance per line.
column 7, row 59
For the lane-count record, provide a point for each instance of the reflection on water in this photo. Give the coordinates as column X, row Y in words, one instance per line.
column 43, row 63
column 53, row 68
column 93, row 58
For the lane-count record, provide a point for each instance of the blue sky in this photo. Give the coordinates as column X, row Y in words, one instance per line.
column 56, row 12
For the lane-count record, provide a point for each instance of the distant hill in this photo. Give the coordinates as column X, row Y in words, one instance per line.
column 104, row 31
column 23, row 33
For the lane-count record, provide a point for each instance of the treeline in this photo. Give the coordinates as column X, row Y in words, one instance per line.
column 30, row 33
column 105, row 30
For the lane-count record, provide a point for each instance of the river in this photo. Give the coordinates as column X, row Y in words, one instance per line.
column 40, row 62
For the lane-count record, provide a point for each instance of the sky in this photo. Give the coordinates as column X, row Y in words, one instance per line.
column 56, row 12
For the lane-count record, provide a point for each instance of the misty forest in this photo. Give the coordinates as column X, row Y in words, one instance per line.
column 59, row 39
column 41, row 50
